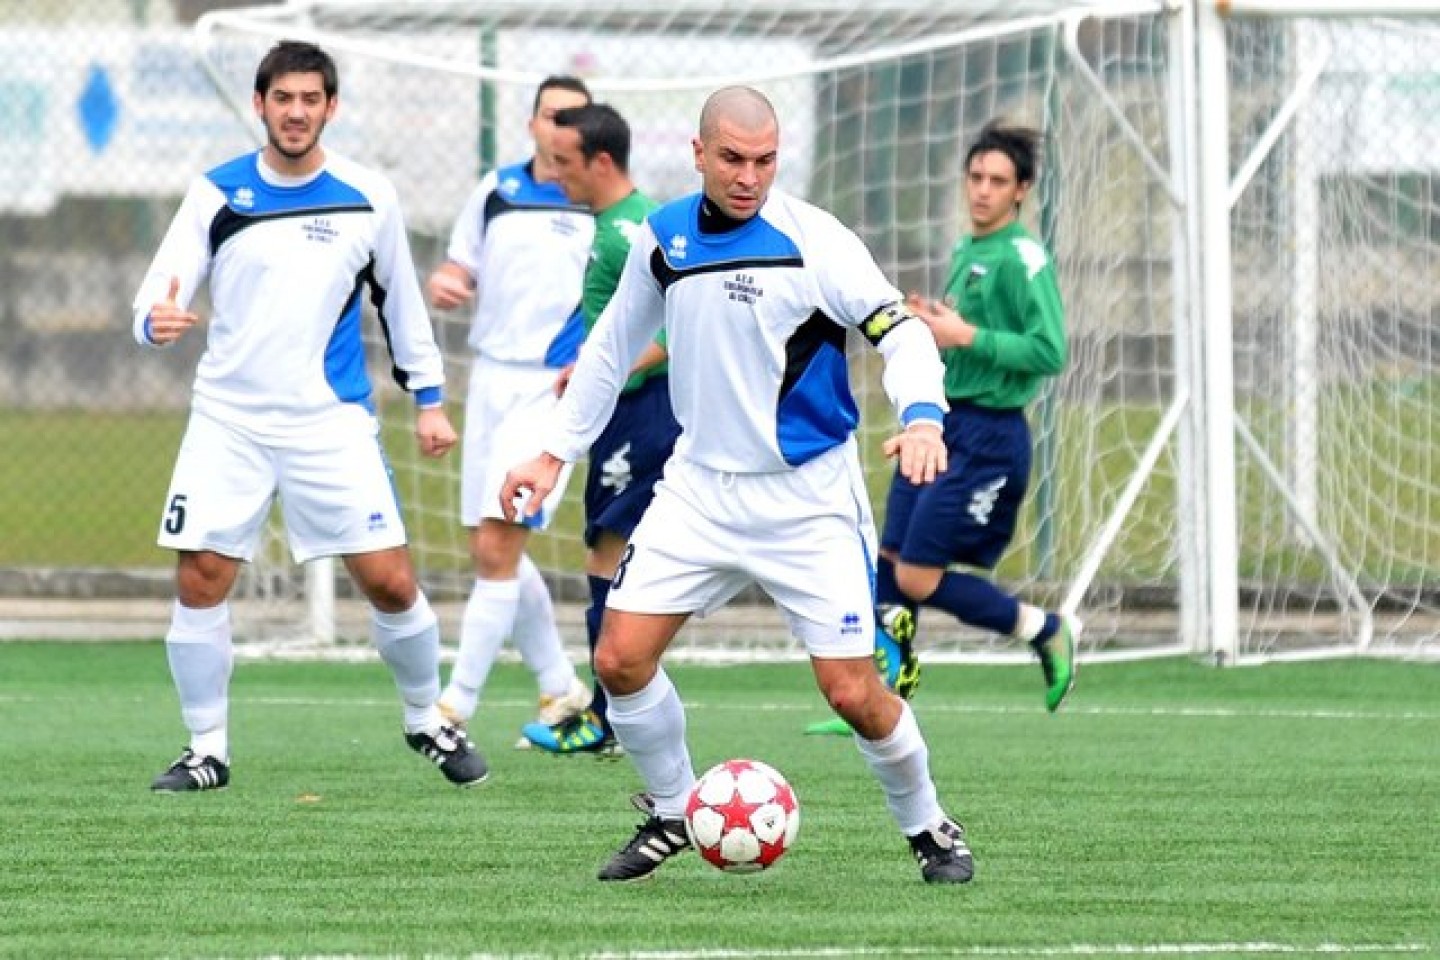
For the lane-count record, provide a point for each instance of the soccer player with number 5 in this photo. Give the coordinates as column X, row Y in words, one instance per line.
column 287, row 237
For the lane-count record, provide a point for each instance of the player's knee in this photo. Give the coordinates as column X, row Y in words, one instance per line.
column 917, row 583
column 394, row 591
column 621, row 672
column 849, row 694
column 495, row 549
column 203, row 579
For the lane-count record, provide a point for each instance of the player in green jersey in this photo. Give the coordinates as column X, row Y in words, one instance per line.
column 1001, row 330
column 591, row 155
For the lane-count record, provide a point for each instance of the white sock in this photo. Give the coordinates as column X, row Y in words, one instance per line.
column 488, row 619
column 535, row 634
column 1030, row 622
column 201, row 657
column 901, row 762
column 650, row 725
column 409, row 643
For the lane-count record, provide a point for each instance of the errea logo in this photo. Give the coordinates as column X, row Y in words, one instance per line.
column 510, row 186
column 678, row 245
column 243, row 197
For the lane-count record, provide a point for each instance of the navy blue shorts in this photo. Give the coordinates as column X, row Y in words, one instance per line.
column 968, row 514
column 628, row 460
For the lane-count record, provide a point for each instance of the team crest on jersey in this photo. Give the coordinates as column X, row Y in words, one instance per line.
column 243, row 197
column 976, row 274
column 743, row 289
column 678, row 243
column 321, row 230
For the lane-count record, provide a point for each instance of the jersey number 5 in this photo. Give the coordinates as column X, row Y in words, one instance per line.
column 175, row 514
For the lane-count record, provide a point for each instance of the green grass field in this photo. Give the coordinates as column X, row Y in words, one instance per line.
column 1172, row 810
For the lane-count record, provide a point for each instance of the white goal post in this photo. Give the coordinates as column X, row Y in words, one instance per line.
column 1198, row 465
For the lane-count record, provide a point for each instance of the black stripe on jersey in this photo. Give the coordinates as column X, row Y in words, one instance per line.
column 804, row 343
column 229, row 222
column 496, row 204
column 665, row 274
column 377, row 297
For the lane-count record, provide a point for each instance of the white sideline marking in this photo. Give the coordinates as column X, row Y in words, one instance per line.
column 1221, row 713
column 1262, row 948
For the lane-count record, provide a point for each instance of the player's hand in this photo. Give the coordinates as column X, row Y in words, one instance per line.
column 433, row 430
column 921, row 451
column 563, row 380
column 448, row 289
column 946, row 325
column 168, row 320
column 527, row 485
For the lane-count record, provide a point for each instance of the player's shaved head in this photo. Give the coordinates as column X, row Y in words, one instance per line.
column 744, row 107
column 737, row 150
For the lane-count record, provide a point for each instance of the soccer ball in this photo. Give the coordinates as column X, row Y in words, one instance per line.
column 742, row 816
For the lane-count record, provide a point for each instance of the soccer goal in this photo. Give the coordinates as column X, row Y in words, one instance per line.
column 1313, row 509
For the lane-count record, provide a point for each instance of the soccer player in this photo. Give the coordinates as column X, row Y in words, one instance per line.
column 591, row 157
column 755, row 290
column 282, row 404
column 518, row 250
column 1002, row 333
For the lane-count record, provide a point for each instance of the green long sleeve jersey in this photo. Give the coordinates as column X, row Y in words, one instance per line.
column 1004, row 284
column 615, row 229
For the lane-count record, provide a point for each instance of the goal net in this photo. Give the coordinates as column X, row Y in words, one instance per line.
column 1335, row 135
column 877, row 103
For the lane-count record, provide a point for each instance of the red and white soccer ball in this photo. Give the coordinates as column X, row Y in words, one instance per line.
column 742, row 816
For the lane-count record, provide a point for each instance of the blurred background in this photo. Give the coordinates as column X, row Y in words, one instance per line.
column 109, row 107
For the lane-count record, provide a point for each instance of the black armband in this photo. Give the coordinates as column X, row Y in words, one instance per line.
column 882, row 321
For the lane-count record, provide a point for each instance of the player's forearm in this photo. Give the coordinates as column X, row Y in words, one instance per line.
column 583, row 410
column 652, row 356
column 914, row 375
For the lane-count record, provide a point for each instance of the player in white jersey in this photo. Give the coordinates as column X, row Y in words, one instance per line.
column 518, row 250
column 287, row 237
column 755, row 291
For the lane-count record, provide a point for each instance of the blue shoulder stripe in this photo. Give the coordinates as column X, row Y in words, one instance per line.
column 250, row 200
column 685, row 249
column 517, row 186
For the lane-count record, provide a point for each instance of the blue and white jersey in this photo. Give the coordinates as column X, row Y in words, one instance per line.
column 526, row 245
column 755, row 320
column 288, row 263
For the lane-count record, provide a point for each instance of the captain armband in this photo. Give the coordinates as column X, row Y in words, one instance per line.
column 882, row 321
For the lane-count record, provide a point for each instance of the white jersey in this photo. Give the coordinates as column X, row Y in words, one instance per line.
column 526, row 245
column 287, row 267
column 755, row 321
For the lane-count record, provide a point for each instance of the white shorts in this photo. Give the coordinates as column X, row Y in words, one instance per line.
column 334, row 486
column 805, row 536
column 505, row 413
